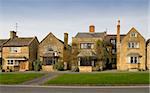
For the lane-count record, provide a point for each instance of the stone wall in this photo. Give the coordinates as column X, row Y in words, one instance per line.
column 85, row 68
column 47, row 68
column 148, row 56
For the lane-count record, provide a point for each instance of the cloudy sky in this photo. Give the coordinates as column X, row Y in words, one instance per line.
column 39, row 17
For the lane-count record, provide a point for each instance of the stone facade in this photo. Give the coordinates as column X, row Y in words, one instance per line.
column 19, row 53
column 51, row 51
column 84, row 49
column 2, row 42
column 131, row 51
column 148, row 54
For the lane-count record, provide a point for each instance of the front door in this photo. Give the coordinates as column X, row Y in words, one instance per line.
column 22, row 66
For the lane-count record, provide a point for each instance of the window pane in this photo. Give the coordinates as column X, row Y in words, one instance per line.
column 135, row 59
column 131, row 60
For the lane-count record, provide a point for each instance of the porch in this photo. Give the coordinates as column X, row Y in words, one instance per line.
column 86, row 61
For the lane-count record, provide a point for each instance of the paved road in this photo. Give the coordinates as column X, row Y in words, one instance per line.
column 41, row 80
column 72, row 89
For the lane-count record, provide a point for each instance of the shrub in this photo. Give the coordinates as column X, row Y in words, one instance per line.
column 59, row 66
column 75, row 69
column 37, row 65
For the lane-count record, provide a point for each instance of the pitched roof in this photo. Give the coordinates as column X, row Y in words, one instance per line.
column 54, row 36
column 19, row 41
column 114, row 36
column 2, row 41
column 90, row 34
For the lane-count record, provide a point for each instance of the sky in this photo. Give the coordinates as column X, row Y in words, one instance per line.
column 39, row 17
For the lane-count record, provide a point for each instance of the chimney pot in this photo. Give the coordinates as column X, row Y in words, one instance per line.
column 91, row 28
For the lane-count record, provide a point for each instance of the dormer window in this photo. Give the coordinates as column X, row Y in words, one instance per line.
column 133, row 34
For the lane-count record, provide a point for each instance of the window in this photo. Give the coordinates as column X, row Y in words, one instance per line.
column 55, row 53
column 113, row 41
column 113, row 51
column 10, row 62
column 133, row 45
column 133, row 34
column 50, row 60
column 133, row 59
column 16, row 62
column 87, row 45
column 13, row 62
column 85, row 62
column 15, row 49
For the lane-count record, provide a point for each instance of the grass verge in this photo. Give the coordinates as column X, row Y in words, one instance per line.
column 17, row 78
column 101, row 79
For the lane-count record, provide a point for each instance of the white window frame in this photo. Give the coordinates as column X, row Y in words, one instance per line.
column 113, row 41
column 133, row 45
column 86, row 45
column 13, row 62
column 134, row 57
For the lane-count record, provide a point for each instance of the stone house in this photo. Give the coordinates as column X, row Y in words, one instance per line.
column 148, row 54
column 2, row 42
column 52, row 50
column 84, row 49
column 19, row 53
column 130, row 50
column 112, row 40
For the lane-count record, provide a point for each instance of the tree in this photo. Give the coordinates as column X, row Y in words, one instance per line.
column 74, row 57
column 102, row 54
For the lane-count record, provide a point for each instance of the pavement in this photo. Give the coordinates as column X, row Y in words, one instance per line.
column 72, row 89
column 41, row 80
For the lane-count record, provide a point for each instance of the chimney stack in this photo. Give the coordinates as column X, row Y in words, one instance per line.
column 91, row 28
column 118, row 32
column 13, row 34
column 66, row 40
column 118, row 45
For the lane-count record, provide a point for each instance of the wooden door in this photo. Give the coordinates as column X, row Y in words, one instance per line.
column 22, row 65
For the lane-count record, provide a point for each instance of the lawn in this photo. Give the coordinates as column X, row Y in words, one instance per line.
column 101, row 79
column 17, row 78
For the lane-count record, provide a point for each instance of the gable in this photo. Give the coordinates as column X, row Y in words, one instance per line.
column 50, row 39
column 133, row 35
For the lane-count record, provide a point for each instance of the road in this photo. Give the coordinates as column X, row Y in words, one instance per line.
column 72, row 89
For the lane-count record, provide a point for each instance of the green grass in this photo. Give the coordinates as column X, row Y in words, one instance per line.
column 101, row 79
column 17, row 78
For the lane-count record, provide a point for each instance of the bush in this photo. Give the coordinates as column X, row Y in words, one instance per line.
column 75, row 69
column 37, row 65
column 3, row 70
column 59, row 66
